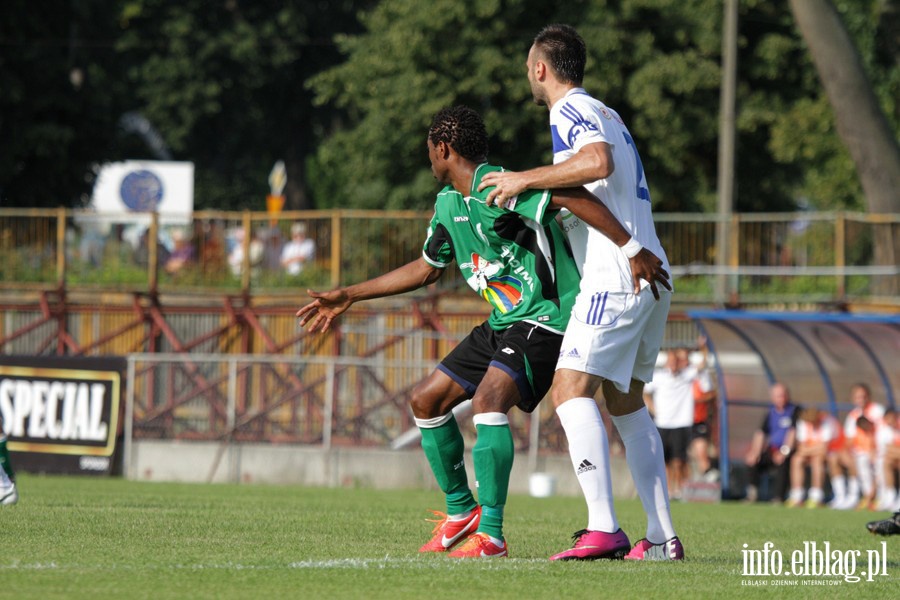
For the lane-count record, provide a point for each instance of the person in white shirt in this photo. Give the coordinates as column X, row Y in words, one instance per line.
column 856, row 455
column 617, row 325
column 887, row 444
column 670, row 398
column 816, row 430
column 299, row 251
column 255, row 251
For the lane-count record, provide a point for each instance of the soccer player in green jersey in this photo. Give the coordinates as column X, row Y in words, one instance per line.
column 518, row 261
column 8, row 492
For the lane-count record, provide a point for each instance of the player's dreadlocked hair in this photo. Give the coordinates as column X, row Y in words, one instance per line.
column 463, row 130
column 564, row 50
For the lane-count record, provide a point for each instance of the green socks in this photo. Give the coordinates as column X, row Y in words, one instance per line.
column 493, row 458
column 444, row 446
column 4, row 459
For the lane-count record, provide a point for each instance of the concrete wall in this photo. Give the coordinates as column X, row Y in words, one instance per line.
column 153, row 460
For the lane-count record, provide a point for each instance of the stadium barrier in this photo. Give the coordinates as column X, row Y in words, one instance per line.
column 311, row 420
column 780, row 257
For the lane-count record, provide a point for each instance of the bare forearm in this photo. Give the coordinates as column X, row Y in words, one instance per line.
column 407, row 278
column 592, row 211
column 589, row 164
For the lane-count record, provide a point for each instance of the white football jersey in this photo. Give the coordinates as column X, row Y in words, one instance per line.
column 576, row 120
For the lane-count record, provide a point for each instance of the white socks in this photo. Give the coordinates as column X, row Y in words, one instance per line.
column 865, row 474
column 644, row 454
column 816, row 495
column 589, row 451
column 839, row 487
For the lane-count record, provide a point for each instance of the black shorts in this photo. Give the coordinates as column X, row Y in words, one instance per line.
column 700, row 430
column 675, row 442
column 526, row 352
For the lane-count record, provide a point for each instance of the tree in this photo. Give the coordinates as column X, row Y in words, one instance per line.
column 224, row 85
column 861, row 123
column 655, row 61
column 446, row 53
column 59, row 89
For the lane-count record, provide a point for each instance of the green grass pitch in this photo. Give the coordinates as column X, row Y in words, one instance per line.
column 108, row 538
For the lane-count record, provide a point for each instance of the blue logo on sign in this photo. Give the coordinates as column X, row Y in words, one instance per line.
column 142, row 191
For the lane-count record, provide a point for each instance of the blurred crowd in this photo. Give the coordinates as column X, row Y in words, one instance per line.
column 799, row 456
column 807, row 451
column 207, row 247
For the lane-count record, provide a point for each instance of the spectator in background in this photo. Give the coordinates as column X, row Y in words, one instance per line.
column 142, row 252
column 816, row 430
column 212, row 249
column 236, row 257
column 701, row 432
column 91, row 246
column 887, row 442
column 772, row 444
column 864, row 453
column 272, row 249
column 298, row 251
column 845, row 487
column 670, row 399
column 856, row 449
column 182, row 254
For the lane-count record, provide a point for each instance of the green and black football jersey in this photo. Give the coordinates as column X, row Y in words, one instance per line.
column 516, row 258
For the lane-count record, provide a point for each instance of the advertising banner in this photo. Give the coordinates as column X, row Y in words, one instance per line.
column 62, row 415
column 132, row 189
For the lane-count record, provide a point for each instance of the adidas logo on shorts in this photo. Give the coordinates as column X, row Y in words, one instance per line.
column 585, row 466
column 573, row 353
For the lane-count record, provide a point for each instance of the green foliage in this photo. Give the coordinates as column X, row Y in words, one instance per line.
column 57, row 100
column 343, row 91
column 655, row 61
column 415, row 59
column 225, row 85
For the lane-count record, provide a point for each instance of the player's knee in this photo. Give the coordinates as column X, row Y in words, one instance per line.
column 621, row 403
column 559, row 395
column 487, row 403
column 424, row 404
column 624, row 404
column 568, row 384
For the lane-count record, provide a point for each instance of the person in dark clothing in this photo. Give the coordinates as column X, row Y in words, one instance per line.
column 772, row 445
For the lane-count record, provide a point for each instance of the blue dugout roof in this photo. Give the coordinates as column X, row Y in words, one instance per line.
column 819, row 356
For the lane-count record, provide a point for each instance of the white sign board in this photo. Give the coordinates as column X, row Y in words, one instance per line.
column 134, row 188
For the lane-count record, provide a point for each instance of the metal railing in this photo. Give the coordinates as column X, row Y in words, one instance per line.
column 321, row 401
column 809, row 257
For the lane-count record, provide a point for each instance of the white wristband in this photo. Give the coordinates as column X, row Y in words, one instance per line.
column 631, row 248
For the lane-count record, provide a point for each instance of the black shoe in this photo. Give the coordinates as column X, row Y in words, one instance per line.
column 889, row 526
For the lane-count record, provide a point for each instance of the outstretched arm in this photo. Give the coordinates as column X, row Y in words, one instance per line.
column 326, row 306
column 591, row 210
column 592, row 162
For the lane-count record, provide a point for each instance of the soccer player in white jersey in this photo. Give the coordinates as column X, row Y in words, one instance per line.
column 613, row 338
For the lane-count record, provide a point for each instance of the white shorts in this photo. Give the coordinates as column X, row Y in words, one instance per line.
column 615, row 335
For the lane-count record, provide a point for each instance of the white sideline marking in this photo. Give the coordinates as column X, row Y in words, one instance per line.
column 422, row 563
column 336, row 563
column 30, row 567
